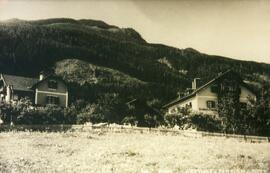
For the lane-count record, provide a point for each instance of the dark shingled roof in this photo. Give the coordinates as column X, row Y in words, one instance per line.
column 20, row 83
column 47, row 77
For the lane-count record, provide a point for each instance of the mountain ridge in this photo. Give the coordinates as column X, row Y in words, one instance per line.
column 102, row 24
column 28, row 47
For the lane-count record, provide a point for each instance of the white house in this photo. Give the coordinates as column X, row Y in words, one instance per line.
column 45, row 90
column 204, row 98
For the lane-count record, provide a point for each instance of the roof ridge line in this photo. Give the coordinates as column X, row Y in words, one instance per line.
column 200, row 88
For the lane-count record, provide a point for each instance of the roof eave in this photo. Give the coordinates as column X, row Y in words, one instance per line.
column 179, row 100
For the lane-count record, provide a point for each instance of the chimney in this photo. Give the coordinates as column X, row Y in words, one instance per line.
column 41, row 76
column 196, row 83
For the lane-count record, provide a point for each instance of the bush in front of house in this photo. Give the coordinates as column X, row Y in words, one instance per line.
column 108, row 107
column 260, row 118
column 175, row 120
column 255, row 119
column 49, row 114
column 198, row 121
column 185, row 119
column 205, row 122
column 23, row 113
column 178, row 119
column 10, row 111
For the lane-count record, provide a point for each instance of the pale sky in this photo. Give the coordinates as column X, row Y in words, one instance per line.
column 238, row 29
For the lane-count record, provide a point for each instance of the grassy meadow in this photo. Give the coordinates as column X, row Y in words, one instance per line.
column 99, row 151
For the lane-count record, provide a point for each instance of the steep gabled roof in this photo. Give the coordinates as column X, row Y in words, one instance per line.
column 19, row 83
column 178, row 100
column 50, row 76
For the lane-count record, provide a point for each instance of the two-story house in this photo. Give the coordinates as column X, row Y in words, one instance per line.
column 204, row 98
column 45, row 90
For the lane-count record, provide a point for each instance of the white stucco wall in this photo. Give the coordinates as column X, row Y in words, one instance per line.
column 202, row 97
column 199, row 101
column 183, row 104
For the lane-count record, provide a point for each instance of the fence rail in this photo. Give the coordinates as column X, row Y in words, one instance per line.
column 129, row 129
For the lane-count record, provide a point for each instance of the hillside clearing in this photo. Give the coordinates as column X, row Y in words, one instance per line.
column 126, row 152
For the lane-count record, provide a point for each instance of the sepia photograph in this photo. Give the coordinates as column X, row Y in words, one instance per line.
column 134, row 86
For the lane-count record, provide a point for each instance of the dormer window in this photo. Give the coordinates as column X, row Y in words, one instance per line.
column 52, row 84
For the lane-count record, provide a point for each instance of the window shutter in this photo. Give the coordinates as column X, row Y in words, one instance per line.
column 57, row 101
column 48, row 99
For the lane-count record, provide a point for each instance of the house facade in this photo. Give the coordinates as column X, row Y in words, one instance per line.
column 204, row 98
column 42, row 91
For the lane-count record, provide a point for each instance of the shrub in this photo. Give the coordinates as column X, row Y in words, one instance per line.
column 256, row 119
column 199, row 121
column 85, row 114
column 22, row 112
column 205, row 122
column 10, row 111
column 107, row 108
column 175, row 120
column 130, row 120
column 151, row 120
column 43, row 115
column 178, row 119
column 70, row 115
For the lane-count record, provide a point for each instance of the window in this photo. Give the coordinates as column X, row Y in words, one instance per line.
column 243, row 105
column 52, row 84
column 211, row 104
column 52, row 100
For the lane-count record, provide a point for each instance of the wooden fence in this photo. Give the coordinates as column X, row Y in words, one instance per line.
column 128, row 129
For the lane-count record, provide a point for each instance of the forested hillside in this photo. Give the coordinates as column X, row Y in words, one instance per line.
column 96, row 59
